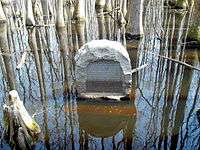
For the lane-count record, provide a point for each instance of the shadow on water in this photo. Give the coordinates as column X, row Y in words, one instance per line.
column 164, row 96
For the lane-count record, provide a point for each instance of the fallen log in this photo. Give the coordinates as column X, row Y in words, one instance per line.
column 21, row 131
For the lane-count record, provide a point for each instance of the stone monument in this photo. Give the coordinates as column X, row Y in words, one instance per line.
column 103, row 69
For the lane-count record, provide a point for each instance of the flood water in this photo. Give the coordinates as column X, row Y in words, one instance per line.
column 164, row 96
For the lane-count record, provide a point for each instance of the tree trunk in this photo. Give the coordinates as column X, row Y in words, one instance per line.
column 79, row 11
column 45, row 8
column 194, row 31
column 183, row 4
column 30, row 21
column 34, row 48
column 100, row 4
column 60, row 22
column 108, row 6
column 79, row 16
column 135, row 25
column 62, row 34
column 5, row 50
column 21, row 129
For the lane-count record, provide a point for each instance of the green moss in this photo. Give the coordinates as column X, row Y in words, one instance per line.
column 182, row 4
column 194, row 33
column 179, row 4
column 34, row 127
column 5, row 120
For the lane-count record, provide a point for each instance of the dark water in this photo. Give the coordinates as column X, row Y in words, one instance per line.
column 162, row 110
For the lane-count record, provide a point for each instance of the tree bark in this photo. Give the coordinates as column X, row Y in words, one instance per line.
column 60, row 22
column 108, row 6
column 135, row 25
column 100, row 4
column 183, row 4
column 30, row 21
column 21, row 129
column 194, row 31
column 79, row 11
column 79, row 16
column 62, row 34
column 5, row 50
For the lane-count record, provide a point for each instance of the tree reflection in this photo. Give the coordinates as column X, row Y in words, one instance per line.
column 172, row 82
column 165, row 94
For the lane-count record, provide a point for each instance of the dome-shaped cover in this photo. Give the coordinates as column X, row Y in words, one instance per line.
column 98, row 50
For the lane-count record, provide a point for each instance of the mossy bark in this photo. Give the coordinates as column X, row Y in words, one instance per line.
column 183, row 4
column 100, row 4
column 194, row 31
column 178, row 4
column 21, row 129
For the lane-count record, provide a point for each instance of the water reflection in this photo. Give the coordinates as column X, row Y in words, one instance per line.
column 164, row 95
column 168, row 87
column 88, row 124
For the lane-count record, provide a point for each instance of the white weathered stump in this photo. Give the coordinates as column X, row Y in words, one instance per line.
column 21, row 128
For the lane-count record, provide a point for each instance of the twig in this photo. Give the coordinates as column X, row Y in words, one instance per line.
column 40, row 25
column 190, row 42
column 23, row 60
column 177, row 61
column 2, row 135
column 6, row 54
column 108, row 12
column 141, row 93
column 139, row 68
column 37, row 113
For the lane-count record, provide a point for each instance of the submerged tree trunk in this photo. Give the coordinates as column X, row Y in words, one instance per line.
column 135, row 25
column 108, row 26
column 178, row 4
column 194, row 31
column 65, row 54
column 101, row 27
column 60, row 14
column 45, row 8
column 99, row 5
column 108, row 6
column 21, row 129
column 30, row 21
column 80, row 28
column 79, row 10
column 182, row 3
column 79, row 17
column 6, row 51
column 34, row 48
column 123, row 7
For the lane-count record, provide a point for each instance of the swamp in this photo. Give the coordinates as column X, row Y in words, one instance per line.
column 99, row 74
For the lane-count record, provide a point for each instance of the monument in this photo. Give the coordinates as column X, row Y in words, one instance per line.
column 103, row 69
